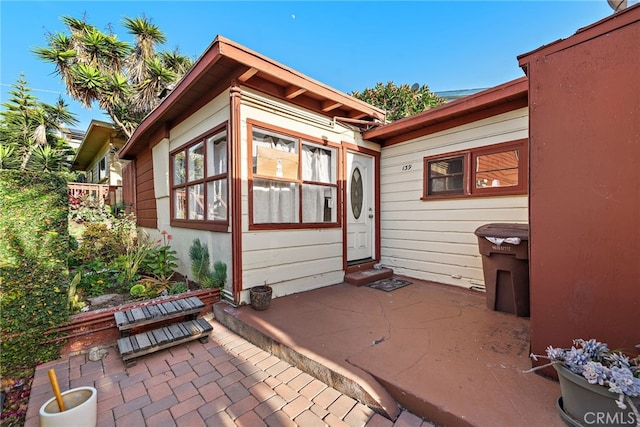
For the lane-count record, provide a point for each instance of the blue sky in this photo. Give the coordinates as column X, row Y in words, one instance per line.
column 450, row 45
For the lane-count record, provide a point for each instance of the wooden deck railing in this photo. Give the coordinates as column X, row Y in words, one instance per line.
column 99, row 194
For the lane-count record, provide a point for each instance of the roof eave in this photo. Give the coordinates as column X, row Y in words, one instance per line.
column 506, row 93
column 249, row 64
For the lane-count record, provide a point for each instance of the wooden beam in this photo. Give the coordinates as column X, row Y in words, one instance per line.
column 247, row 74
column 291, row 92
column 329, row 105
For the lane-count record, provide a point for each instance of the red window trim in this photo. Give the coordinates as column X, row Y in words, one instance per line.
column 219, row 225
column 301, row 138
column 469, row 156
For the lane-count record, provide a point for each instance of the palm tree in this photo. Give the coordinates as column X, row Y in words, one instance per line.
column 125, row 80
column 29, row 132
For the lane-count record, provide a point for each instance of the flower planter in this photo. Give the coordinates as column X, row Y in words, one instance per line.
column 585, row 404
column 260, row 297
column 81, row 409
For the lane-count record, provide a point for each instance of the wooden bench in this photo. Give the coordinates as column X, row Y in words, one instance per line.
column 132, row 347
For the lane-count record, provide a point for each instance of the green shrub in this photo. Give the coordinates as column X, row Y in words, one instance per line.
column 160, row 261
column 138, row 291
column 219, row 274
column 199, row 254
column 178, row 288
column 34, row 278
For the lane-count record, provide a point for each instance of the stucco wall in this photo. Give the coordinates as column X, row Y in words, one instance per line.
column 434, row 240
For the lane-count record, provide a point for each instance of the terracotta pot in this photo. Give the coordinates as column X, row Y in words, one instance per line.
column 81, row 409
column 585, row 404
column 260, row 297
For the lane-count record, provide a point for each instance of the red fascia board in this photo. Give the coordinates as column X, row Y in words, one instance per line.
column 611, row 23
column 505, row 93
column 222, row 47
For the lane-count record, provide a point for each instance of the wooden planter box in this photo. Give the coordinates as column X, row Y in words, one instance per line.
column 98, row 328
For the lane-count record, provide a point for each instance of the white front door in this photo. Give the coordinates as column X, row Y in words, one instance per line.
column 360, row 207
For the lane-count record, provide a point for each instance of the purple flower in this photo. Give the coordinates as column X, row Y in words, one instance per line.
column 595, row 350
column 595, row 373
column 555, row 353
column 622, row 381
column 575, row 359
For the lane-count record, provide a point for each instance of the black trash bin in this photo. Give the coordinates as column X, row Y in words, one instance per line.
column 505, row 262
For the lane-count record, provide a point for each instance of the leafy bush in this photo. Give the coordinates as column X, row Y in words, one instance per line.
column 199, row 255
column 138, row 291
column 33, row 267
column 219, row 274
column 178, row 288
column 160, row 261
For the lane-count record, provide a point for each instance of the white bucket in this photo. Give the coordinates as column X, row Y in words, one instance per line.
column 81, row 409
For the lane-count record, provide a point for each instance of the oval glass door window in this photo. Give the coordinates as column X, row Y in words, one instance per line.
column 356, row 193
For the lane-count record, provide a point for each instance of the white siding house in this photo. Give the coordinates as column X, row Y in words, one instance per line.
column 296, row 185
column 251, row 158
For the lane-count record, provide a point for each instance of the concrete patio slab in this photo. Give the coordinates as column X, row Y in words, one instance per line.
column 435, row 350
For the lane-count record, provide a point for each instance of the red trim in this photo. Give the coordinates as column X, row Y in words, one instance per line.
column 300, row 138
column 346, row 147
column 236, row 192
column 469, row 156
column 224, row 61
column 220, row 225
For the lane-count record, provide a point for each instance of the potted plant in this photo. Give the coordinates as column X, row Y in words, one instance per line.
column 260, row 297
column 598, row 385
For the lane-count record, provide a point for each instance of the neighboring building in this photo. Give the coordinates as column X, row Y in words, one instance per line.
column 97, row 157
column 584, row 204
column 73, row 137
column 452, row 95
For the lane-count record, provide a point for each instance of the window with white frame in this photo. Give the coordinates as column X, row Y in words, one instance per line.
column 293, row 180
column 494, row 170
column 199, row 180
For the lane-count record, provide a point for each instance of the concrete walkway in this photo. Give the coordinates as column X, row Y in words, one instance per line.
column 224, row 382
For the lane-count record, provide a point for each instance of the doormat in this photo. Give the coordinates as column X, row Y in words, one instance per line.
column 389, row 285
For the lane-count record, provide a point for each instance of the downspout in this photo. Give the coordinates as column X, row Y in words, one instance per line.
column 236, row 190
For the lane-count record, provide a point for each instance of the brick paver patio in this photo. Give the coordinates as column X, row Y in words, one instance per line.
column 225, row 382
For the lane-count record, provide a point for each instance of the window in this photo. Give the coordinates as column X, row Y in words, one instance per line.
column 486, row 171
column 102, row 168
column 199, row 181
column 294, row 180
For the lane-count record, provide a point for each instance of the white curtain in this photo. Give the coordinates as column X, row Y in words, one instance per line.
column 274, row 202
column 316, row 166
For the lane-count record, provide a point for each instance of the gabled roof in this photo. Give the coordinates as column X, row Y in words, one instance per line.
column 500, row 99
column 225, row 62
column 97, row 134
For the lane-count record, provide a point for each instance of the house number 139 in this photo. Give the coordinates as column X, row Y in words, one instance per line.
column 406, row 167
